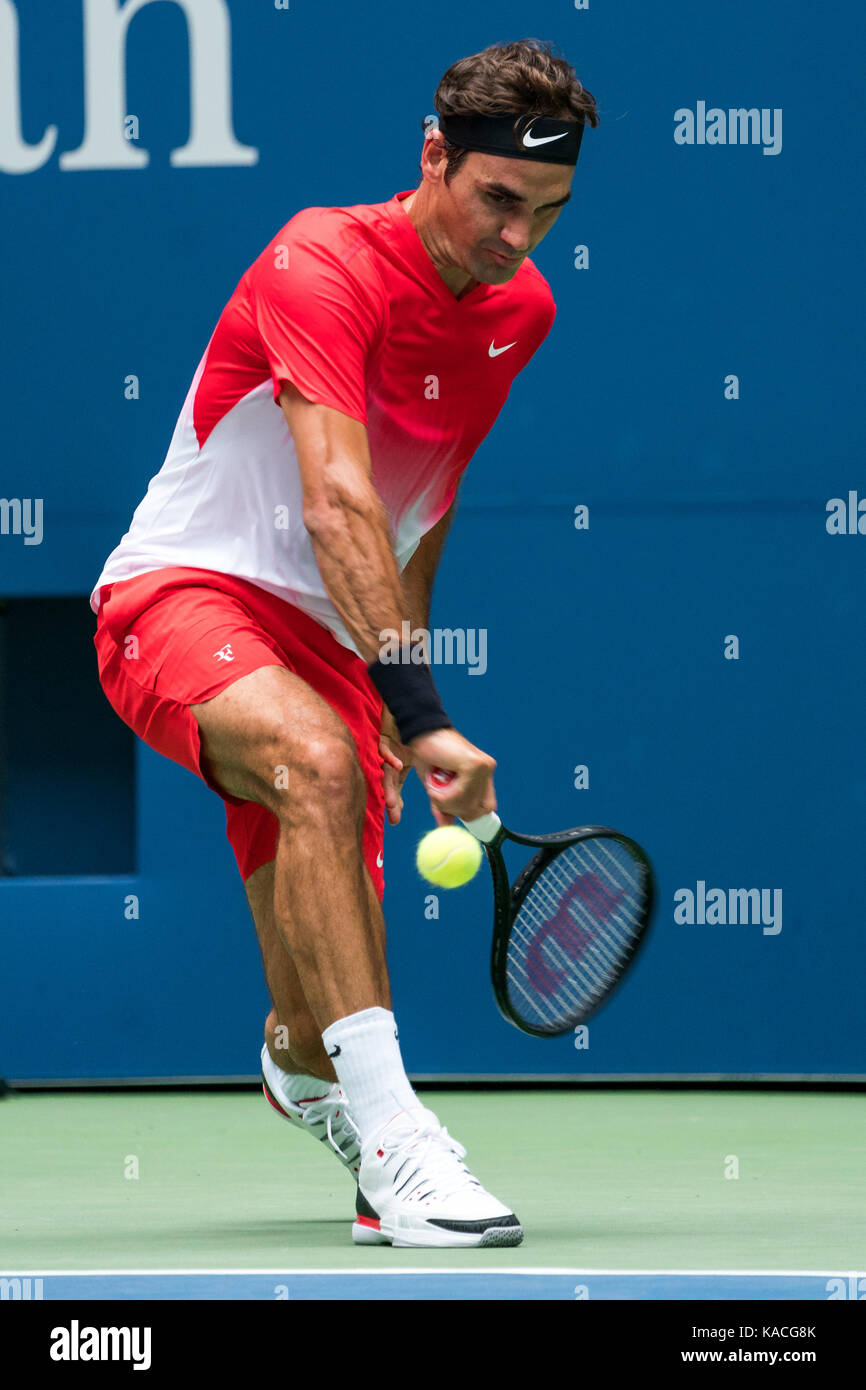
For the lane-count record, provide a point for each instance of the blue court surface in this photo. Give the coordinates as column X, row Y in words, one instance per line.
column 412, row 1283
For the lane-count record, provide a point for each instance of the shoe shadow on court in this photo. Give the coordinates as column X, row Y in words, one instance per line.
column 275, row 1237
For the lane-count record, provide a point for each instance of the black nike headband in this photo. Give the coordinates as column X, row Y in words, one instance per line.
column 515, row 136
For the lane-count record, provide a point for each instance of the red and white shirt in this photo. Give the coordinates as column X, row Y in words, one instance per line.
column 345, row 303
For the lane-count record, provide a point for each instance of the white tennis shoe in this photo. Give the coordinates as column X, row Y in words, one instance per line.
column 326, row 1117
column 414, row 1189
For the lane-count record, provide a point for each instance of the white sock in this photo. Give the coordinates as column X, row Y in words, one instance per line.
column 294, row 1086
column 366, row 1057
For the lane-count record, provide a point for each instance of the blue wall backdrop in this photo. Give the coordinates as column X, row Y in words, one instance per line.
column 700, row 393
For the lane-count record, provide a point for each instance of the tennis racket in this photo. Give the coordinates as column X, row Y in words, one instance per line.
column 567, row 929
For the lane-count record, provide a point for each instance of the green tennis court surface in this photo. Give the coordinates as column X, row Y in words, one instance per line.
column 626, row 1183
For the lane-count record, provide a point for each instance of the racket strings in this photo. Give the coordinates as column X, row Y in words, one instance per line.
column 575, row 932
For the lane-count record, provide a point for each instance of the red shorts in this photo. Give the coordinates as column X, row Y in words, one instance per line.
column 196, row 632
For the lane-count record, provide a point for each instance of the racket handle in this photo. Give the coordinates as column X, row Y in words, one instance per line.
column 484, row 828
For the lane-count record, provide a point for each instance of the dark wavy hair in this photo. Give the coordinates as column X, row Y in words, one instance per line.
column 528, row 77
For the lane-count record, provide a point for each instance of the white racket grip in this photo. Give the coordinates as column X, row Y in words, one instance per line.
column 484, row 828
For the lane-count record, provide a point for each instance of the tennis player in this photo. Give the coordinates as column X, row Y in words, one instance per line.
column 297, row 522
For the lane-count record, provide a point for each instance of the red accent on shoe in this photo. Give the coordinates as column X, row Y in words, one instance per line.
column 372, row 1222
column 269, row 1098
column 380, row 1153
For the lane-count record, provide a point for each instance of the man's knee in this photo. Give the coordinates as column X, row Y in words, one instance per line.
column 317, row 779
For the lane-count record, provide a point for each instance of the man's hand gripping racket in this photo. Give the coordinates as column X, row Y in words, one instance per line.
column 568, row 928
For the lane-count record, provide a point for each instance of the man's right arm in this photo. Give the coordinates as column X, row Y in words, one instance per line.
column 345, row 519
column 348, row 527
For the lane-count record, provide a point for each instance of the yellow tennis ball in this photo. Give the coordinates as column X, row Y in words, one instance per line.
column 448, row 856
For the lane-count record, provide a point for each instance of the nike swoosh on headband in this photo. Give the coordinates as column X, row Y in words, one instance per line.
column 495, row 351
column 529, row 141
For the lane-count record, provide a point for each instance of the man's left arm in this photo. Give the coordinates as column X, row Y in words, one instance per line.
column 420, row 572
column 417, row 579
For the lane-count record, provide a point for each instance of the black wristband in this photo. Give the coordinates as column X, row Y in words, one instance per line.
column 410, row 695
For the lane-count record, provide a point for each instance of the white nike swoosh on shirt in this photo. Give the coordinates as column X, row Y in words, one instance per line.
column 530, row 140
column 495, row 351
column 379, row 860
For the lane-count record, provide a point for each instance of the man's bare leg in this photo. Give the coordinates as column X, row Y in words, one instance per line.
column 325, row 913
column 328, row 920
column 292, row 1035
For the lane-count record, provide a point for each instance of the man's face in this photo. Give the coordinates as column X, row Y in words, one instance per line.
column 496, row 210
